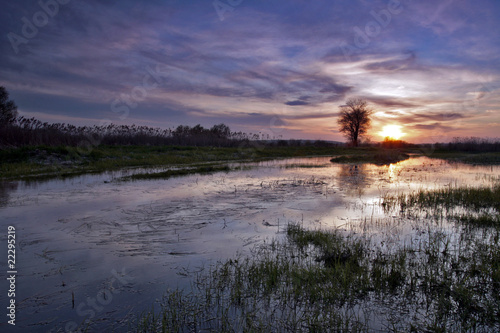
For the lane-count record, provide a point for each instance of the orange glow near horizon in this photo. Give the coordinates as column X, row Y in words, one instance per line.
column 393, row 132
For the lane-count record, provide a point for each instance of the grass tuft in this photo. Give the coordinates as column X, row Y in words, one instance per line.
column 475, row 206
column 321, row 281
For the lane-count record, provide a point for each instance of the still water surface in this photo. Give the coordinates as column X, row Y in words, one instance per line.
column 97, row 247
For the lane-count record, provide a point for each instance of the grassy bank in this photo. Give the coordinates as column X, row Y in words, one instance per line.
column 48, row 162
column 383, row 156
column 41, row 161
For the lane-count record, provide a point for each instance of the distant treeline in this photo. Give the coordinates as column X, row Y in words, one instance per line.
column 396, row 144
column 33, row 132
column 466, row 144
column 471, row 145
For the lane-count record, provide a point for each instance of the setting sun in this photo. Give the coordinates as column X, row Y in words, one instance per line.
column 392, row 132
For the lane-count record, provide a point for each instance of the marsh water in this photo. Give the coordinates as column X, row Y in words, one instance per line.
column 101, row 248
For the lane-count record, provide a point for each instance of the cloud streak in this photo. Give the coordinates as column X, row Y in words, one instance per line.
column 432, row 63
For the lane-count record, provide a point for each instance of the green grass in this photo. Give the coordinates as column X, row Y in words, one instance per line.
column 263, row 293
column 474, row 205
column 324, row 281
column 438, row 280
column 47, row 162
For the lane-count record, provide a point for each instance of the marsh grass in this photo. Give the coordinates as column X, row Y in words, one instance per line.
column 335, row 281
column 39, row 162
column 477, row 206
column 306, row 166
column 204, row 169
column 376, row 156
column 46, row 162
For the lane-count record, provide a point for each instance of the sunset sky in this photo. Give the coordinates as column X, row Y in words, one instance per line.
column 278, row 67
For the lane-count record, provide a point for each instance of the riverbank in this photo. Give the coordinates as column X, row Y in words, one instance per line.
column 43, row 162
column 50, row 162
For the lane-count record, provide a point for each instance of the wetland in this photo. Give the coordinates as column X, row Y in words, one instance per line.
column 295, row 244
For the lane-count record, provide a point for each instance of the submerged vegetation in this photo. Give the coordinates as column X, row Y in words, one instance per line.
column 205, row 169
column 442, row 276
column 477, row 206
column 320, row 281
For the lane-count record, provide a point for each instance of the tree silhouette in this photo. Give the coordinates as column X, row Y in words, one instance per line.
column 221, row 131
column 354, row 119
column 8, row 109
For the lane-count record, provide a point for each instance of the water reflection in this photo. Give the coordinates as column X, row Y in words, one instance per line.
column 73, row 232
column 6, row 188
column 353, row 178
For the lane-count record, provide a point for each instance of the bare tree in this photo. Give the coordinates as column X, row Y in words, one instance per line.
column 355, row 119
column 8, row 109
column 221, row 131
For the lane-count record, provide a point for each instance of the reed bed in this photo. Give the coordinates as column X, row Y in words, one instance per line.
column 440, row 280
